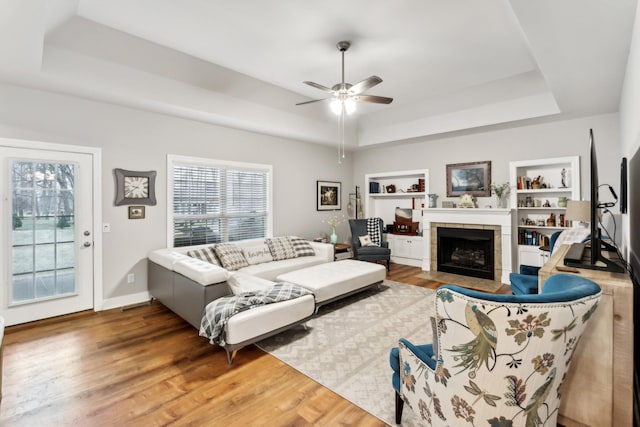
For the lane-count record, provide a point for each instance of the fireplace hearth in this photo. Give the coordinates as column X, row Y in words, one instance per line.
column 466, row 251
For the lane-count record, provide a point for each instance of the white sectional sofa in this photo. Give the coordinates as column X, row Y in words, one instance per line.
column 186, row 285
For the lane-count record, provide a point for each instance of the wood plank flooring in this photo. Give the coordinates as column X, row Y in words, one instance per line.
column 147, row 366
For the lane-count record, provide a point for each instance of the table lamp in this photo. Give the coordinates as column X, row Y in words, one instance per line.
column 579, row 210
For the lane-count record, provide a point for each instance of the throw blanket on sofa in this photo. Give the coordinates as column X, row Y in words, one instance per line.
column 218, row 312
column 373, row 230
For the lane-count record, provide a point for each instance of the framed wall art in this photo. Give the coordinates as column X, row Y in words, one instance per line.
column 328, row 196
column 469, row 178
column 136, row 212
column 135, row 188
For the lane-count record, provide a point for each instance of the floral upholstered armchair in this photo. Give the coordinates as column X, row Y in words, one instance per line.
column 497, row 360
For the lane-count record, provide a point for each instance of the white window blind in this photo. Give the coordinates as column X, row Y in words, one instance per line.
column 213, row 203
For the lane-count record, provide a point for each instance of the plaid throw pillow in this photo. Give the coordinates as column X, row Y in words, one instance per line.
column 302, row 247
column 230, row 256
column 205, row 254
column 281, row 248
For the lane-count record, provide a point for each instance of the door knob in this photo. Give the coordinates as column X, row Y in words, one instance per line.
column 87, row 233
column 87, row 244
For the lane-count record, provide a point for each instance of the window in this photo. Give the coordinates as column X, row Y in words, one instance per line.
column 212, row 201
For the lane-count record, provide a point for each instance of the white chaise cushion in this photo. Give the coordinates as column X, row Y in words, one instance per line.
column 250, row 324
column 240, row 282
column 271, row 270
column 201, row 271
column 333, row 279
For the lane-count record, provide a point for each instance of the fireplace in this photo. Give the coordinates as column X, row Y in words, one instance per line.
column 466, row 251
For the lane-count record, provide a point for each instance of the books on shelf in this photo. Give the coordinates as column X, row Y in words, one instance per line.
column 524, row 183
column 532, row 238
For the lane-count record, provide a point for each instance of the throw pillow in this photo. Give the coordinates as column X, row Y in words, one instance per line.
column 257, row 254
column 366, row 240
column 301, row 246
column 281, row 248
column 230, row 256
column 204, row 254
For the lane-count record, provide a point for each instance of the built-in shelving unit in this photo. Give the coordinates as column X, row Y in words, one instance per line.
column 411, row 189
column 540, row 206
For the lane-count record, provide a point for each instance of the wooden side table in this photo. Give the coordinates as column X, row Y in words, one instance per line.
column 340, row 248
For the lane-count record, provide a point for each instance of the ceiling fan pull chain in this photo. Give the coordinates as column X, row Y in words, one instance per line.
column 342, row 126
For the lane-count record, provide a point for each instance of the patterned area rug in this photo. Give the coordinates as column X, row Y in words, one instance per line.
column 346, row 346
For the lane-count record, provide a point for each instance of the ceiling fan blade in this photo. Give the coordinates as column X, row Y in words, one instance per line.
column 319, row 86
column 365, row 84
column 373, row 98
column 312, row 101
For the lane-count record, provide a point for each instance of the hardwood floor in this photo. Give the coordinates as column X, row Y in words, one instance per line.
column 147, row 366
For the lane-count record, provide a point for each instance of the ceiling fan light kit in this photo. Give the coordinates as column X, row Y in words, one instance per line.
column 345, row 95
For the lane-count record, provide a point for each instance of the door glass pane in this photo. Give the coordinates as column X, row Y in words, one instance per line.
column 43, row 237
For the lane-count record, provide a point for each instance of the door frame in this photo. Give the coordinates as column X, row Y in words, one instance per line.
column 96, row 202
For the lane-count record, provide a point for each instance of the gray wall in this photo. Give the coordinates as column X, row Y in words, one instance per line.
column 539, row 141
column 137, row 140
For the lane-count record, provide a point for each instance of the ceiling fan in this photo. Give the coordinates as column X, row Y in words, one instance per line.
column 345, row 95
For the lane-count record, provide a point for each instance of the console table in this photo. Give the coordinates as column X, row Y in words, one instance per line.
column 598, row 390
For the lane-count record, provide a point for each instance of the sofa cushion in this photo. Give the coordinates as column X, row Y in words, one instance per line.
column 281, row 248
column 302, row 247
column 230, row 256
column 257, row 254
column 205, row 254
column 240, row 283
column 271, row 270
column 201, row 271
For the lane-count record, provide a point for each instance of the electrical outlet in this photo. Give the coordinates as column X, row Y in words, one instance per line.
column 131, row 278
column 106, row 227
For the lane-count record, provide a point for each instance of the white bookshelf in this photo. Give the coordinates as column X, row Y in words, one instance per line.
column 405, row 249
column 533, row 221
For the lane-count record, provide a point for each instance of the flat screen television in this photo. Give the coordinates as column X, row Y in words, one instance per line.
column 593, row 258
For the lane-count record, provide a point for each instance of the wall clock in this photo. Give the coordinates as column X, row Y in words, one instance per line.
column 135, row 188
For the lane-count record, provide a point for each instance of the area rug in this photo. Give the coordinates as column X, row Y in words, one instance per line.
column 346, row 346
column 483, row 285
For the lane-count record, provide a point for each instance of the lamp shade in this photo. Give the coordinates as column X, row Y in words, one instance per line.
column 578, row 210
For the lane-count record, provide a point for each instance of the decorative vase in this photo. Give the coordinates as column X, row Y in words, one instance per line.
column 334, row 236
column 502, row 201
column 432, row 200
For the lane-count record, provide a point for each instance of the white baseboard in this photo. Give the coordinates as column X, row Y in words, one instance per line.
column 124, row 300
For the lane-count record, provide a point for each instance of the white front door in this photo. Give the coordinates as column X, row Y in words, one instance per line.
column 47, row 234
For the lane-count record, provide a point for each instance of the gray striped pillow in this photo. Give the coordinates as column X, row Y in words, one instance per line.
column 302, row 247
column 230, row 256
column 281, row 248
column 205, row 254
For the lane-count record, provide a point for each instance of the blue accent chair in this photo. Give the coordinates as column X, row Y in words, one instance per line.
column 495, row 359
column 526, row 282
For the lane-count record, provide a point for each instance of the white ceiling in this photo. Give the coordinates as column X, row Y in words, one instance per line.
column 450, row 65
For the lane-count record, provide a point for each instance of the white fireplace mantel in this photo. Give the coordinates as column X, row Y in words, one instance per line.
column 498, row 217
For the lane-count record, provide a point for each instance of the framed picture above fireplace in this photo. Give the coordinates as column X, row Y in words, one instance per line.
column 469, row 178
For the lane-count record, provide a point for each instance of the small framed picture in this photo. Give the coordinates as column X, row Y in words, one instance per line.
column 136, row 212
column 329, row 195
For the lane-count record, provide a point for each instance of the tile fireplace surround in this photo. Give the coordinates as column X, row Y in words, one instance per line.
column 499, row 220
